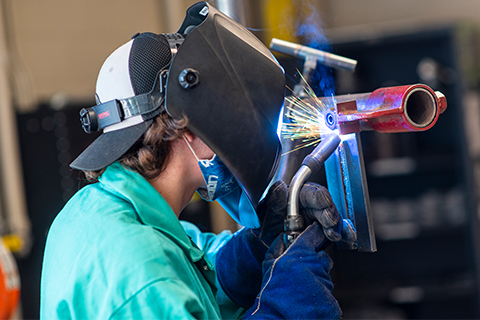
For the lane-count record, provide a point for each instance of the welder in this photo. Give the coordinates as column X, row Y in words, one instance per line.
column 192, row 111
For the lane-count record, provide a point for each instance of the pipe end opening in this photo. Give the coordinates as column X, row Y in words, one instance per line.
column 420, row 107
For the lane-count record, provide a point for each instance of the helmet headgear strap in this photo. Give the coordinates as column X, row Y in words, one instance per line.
column 136, row 109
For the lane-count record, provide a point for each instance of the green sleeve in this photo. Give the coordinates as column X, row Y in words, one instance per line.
column 163, row 299
column 211, row 243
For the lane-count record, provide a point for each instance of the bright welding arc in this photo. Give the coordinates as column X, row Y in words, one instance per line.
column 307, row 119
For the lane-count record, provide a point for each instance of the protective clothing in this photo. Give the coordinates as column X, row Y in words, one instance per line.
column 316, row 204
column 296, row 282
column 235, row 106
column 239, row 262
column 239, row 207
column 117, row 250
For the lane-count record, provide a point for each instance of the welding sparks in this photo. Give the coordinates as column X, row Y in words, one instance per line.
column 306, row 118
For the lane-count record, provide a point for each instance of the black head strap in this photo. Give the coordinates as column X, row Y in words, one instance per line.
column 148, row 105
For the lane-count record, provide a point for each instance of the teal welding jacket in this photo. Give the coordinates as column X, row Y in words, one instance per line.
column 117, row 250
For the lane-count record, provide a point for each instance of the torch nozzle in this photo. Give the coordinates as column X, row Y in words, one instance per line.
column 326, row 58
column 317, row 157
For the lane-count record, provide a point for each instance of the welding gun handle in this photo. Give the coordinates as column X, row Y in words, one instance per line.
column 294, row 223
column 294, row 226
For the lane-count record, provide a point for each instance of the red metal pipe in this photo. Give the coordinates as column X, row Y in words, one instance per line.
column 392, row 109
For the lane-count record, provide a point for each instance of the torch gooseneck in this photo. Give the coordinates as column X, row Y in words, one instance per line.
column 294, row 222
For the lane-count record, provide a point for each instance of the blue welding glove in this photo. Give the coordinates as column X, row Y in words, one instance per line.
column 239, row 261
column 296, row 282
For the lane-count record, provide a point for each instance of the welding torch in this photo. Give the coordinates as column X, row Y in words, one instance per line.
column 408, row 108
column 294, row 222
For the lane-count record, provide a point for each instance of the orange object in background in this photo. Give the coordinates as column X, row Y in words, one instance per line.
column 9, row 283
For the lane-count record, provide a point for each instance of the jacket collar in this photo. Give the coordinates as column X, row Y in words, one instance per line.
column 152, row 209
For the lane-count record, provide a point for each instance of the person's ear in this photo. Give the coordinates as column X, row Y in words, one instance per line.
column 189, row 136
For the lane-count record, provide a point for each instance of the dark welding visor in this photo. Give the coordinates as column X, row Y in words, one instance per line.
column 231, row 89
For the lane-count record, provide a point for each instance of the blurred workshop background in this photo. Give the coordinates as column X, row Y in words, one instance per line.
column 424, row 187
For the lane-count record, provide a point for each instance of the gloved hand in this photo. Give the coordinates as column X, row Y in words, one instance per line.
column 296, row 282
column 271, row 213
column 316, row 204
column 239, row 261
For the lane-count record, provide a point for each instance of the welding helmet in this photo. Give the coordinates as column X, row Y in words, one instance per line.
column 214, row 72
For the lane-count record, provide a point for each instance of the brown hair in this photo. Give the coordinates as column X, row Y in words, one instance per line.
column 149, row 155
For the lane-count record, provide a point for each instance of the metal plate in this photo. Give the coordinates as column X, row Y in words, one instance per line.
column 346, row 179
